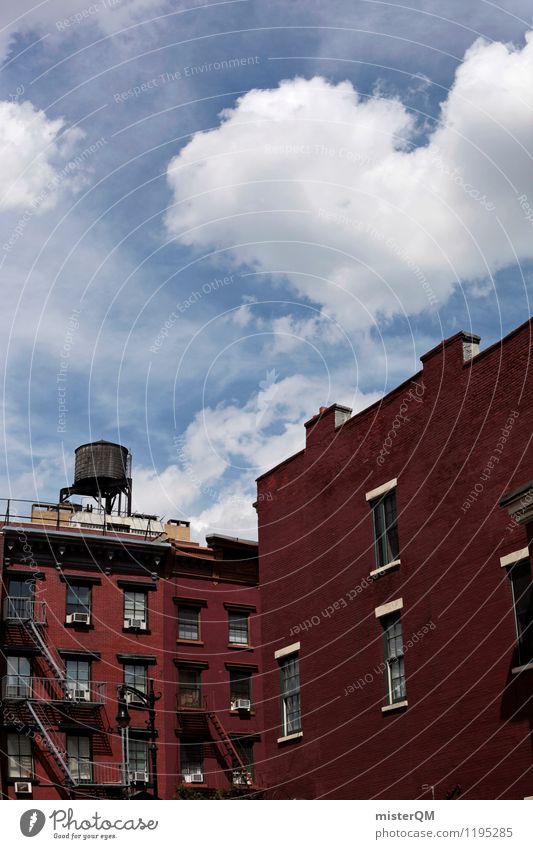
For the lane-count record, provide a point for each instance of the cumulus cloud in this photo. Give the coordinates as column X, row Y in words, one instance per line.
column 32, row 151
column 334, row 192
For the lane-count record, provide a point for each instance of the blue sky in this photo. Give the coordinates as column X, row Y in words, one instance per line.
column 217, row 217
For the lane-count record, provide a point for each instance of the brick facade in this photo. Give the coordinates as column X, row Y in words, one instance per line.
column 456, row 437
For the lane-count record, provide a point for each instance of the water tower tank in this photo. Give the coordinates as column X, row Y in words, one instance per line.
column 102, row 470
column 100, row 463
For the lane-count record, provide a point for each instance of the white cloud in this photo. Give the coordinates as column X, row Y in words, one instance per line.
column 315, row 183
column 225, row 448
column 60, row 18
column 32, row 149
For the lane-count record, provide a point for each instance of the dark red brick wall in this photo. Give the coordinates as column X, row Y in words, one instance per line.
column 107, row 637
column 468, row 721
column 216, row 652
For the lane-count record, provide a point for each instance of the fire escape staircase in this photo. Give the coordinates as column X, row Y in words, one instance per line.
column 228, row 750
column 43, row 710
column 203, row 720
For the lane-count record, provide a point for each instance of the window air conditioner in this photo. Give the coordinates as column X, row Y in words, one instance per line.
column 80, row 695
column 23, row 787
column 135, row 623
column 139, row 777
column 194, row 778
column 243, row 704
column 78, row 618
column 131, row 698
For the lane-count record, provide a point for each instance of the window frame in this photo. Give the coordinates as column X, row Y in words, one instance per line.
column 141, row 754
column 190, row 687
column 196, row 610
column 386, row 536
column 388, row 621
column 19, row 604
column 288, row 728
column 134, row 615
column 15, row 678
column 135, row 676
column 20, row 765
column 187, row 747
column 243, row 615
column 79, row 759
column 78, row 606
column 524, row 635
column 245, row 749
column 242, row 675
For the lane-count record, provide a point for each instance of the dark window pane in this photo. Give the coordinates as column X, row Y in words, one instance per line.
column 290, row 695
column 192, row 758
column 240, row 686
column 394, row 662
column 523, row 609
column 78, row 599
column 190, row 688
column 238, row 628
column 188, row 623
column 386, row 529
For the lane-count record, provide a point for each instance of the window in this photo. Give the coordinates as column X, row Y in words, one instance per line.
column 19, row 756
column 138, row 756
column 238, row 628
column 291, row 720
column 18, row 678
column 240, row 686
column 135, row 676
column 190, row 688
column 192, row 760
column 386, row 542
column 135, row 606
column 394, row 663
column 78, row 675
column 245, row 750
column 522, row 589
column 79, row 757
column 78, row 599
column 188, row 622
column 21, row 601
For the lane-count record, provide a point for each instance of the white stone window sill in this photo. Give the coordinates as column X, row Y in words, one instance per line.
column 395, row 706
column 516, row 669
column 382, row 569
column 288, row 737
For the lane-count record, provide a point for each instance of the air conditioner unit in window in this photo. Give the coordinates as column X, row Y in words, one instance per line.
column 131, row 698
column 243, row 704
column 78, row 618
column 139, row 777
column 79, row 695
column 135, row 623
column 23, row 787
column 194, row 778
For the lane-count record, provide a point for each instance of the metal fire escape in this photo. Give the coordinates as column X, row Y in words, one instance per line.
column 204, row 722
column 46, row 702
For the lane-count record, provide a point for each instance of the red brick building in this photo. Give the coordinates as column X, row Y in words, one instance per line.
column 97, row 611
column 396, row 588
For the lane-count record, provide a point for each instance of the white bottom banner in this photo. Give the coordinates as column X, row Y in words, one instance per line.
column 256, row 824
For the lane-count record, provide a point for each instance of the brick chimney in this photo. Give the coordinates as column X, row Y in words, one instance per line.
column 453, row 352
column 322, row 427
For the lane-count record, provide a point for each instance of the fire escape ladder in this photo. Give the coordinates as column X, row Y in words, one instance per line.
column 231, row 754
column 52, row 661
column 53, row 745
